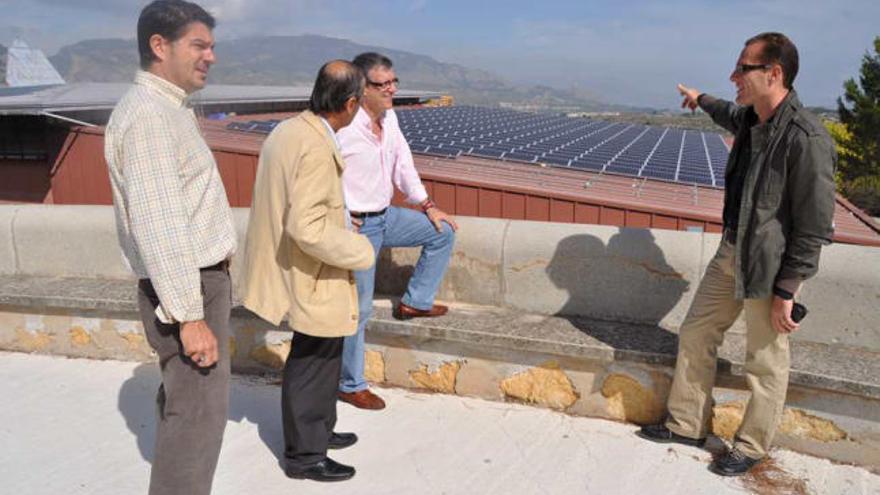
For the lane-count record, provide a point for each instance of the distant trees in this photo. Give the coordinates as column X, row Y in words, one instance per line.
column 858, row 135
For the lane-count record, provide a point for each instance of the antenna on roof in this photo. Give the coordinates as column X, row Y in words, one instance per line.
column 26, row 66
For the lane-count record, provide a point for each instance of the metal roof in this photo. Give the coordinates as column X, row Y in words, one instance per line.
column 668, row 198
column 658, row 197
column 103, row 96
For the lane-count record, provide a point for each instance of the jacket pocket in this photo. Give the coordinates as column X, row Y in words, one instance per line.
column 319, row 287
column 773, row 183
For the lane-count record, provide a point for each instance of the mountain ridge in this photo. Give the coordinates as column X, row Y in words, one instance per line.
column 295, row 59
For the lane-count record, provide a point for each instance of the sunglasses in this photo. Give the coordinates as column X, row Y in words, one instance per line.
column 744, row 68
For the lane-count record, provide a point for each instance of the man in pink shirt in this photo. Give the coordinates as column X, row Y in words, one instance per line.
column 378, row 159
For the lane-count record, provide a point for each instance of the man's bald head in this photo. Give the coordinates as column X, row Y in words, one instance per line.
column 337, row 82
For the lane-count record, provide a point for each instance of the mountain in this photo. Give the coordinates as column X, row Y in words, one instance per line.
column 3, row 51
column 295, row 60
column 100, row 60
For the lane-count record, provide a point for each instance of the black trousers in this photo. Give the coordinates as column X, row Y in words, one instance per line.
column 308, row 398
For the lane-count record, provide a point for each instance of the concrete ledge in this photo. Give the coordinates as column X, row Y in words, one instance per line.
column 54, row 241
column 582, row 366
column 632, row 275
column 830, row 367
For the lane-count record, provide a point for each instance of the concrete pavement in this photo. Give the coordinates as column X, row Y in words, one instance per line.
column 85, row 427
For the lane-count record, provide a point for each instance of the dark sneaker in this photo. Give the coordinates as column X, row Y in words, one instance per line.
column 661, row 434
column 733, row 463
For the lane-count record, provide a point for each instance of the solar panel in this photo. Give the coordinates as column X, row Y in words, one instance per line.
column 636, row 150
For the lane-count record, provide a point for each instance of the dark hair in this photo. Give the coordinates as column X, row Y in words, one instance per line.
column 778, row 49
column 367, row 61
column 169, row 19
column 338, row 80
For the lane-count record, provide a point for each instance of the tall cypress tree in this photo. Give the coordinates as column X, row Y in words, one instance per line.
column 859, row 110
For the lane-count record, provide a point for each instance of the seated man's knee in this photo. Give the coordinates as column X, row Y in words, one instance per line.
column 447, row 234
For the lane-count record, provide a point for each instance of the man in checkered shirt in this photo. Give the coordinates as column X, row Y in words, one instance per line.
column 176, row 232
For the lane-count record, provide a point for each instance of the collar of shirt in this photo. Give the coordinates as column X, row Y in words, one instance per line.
column 169, row 90
column 331, row 131
column 347, row 216
column 363, row 121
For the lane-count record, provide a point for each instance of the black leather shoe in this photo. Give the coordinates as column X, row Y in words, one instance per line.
column 733, row 463
column 661, row 434
column 326, row 470
column 341, row 440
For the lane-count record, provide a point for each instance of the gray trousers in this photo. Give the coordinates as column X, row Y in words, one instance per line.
column 192, row 401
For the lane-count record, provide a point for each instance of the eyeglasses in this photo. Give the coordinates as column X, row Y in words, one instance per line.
column 743, row 68
column 384, row 85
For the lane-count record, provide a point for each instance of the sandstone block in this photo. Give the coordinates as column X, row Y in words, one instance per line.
column 546, row 385
column 630, row 400
column 374, row 366
column 32, row 341
column 134, row 340
column 442, row 380
column 79, row 337
column 796, row 423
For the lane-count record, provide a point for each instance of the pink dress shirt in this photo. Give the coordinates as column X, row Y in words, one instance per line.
column 373, row 168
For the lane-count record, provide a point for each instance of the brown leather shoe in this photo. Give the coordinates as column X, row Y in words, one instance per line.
column 362, row 399
column 404, row 312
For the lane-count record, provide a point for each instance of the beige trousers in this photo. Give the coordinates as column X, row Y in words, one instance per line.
column 712, row 312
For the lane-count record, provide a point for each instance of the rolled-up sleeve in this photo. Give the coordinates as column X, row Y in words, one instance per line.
column 406, row 177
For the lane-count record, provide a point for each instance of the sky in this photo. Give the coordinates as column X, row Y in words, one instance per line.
column 626, row 51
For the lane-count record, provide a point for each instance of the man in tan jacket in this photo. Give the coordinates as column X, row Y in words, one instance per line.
column 298, row 260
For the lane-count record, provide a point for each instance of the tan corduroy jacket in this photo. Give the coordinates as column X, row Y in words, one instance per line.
column 298, row 255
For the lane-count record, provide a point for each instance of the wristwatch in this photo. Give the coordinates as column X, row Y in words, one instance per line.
column 782, row 293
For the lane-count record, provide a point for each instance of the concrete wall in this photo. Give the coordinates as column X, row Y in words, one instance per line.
column 623, row 274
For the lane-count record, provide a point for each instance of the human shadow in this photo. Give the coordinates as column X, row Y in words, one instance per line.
column 137, row 404
column 628, row 282
column 255, row 399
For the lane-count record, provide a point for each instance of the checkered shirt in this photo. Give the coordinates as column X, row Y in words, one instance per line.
column 172, row 214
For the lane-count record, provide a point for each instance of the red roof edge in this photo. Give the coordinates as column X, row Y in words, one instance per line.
column 861, row 215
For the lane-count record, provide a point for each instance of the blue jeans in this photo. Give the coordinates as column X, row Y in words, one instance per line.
column 398, row 227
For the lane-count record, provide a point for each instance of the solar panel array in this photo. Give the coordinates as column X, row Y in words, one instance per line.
column 630, row 149
column 665, row 153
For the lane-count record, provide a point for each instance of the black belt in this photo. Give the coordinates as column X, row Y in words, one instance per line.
column 222, row 266
column 366, row 214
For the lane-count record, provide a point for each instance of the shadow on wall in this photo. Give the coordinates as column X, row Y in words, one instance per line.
column 258, row 405
column 392, row 278
column 628, row 280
